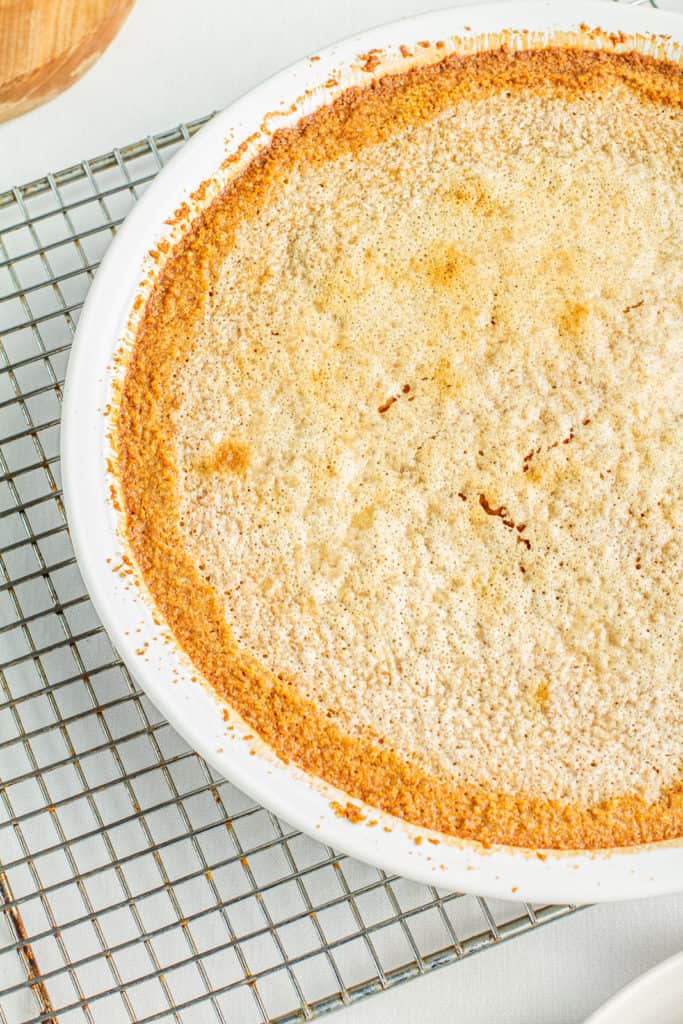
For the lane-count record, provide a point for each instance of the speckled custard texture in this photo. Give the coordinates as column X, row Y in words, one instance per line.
column 400, row 446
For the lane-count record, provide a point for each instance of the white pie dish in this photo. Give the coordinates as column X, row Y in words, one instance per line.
column 158, row 664
column 656, row 995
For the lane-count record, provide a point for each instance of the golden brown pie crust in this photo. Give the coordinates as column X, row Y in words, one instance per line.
column 364, row 767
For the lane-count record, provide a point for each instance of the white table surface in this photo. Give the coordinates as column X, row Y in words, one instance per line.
column 175, row 60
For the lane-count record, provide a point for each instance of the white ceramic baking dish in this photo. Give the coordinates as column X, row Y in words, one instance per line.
column 656, row 995
column 105, row 331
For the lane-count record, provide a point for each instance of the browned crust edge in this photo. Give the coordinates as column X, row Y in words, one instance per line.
column 362, row 766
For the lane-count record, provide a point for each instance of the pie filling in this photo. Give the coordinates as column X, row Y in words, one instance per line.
column 399, row 445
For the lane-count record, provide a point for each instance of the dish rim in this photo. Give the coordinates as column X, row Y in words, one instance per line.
column 649, row 988
column 164, row 672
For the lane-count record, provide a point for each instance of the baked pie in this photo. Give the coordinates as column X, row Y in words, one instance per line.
column 399, row 446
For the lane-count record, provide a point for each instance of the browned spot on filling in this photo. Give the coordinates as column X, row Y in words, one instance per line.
column 636, row 305
column 472, row 193
column 447, row 267
column 573, row 318
column 526, row 461
column 405, row 390
column 542, row 695
column 502, row 513
column 227, row 457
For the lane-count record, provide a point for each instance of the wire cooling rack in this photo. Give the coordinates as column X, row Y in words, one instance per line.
column 136, row 884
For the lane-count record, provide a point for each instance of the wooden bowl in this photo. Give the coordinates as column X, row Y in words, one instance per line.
column 46, row 45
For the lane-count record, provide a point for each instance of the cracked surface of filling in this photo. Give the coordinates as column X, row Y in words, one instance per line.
column 400, row 447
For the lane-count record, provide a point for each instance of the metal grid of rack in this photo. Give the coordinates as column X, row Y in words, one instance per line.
column 136, row 884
